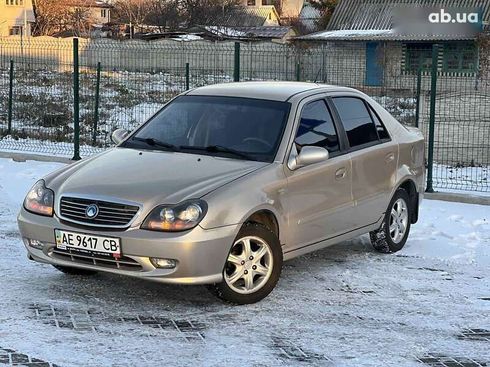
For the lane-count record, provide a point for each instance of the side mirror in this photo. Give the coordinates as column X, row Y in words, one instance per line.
column 119, row 135
column 308, row 155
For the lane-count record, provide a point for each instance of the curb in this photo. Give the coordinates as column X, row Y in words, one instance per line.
column 22, row 157
column 458, row 198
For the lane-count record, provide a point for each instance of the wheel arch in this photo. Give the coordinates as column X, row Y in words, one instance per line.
column 410, row 187
column 266, row 218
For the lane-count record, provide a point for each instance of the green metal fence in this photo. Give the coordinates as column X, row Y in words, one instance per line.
column 51, row 104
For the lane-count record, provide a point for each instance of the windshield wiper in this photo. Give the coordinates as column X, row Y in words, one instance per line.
column 158, row 143
column 219, row 149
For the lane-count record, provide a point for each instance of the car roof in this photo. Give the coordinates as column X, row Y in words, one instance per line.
column 278, row 91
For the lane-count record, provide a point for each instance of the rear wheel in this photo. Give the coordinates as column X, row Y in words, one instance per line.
column 74, row 271
column 393, row 234
column 252, row 268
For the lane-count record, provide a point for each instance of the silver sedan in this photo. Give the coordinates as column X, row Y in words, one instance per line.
column 226, row 182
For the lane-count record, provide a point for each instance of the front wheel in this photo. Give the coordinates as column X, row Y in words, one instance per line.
column 393, row 234
column 252, row 268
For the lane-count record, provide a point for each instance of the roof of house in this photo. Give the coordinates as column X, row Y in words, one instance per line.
column 309, row 16
column 267, row 32
column 361, row 20
column 89, row 4
column 250, row 16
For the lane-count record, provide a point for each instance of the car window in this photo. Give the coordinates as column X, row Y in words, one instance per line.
column 356, row 120
column 382, row 132
column 316, row 128
column 212, row 124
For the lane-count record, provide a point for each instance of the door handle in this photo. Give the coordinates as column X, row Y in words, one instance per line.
column 340, row 173
column 390, row 157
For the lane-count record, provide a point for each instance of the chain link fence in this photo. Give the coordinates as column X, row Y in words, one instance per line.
column 122, row 83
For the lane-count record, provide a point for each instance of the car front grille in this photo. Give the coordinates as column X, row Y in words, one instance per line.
column 109, row 214
column 122, row 263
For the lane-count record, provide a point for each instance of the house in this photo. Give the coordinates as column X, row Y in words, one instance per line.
column 309, row 17
column 98, row 12
column 280, row 34
column 364, row 31
column 16, row 18
column 254, row 16
column 253, row 23
column 289, row 9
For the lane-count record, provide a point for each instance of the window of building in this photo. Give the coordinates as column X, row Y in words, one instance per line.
column 357, row 121
column 317, row 128
column 251, row 2
column 103, row 13
column 15, row 31
column 14, row 2
column 418, row 56
column 460, row 57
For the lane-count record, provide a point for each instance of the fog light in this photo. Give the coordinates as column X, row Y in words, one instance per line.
column 34, row 243
column 163, row 263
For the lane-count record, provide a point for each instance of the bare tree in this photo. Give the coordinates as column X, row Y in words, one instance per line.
column 326, row 8
column 165, row 14
column 200, row 12
column 54, row 16
column 132, row 12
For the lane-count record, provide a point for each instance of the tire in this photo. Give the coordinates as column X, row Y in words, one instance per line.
column 386, row 241
column 242, row 275
column 74, row 271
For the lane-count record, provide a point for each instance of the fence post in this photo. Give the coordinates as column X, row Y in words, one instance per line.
column 11, row 96
column 96, row 108
column 236, row 70
column 76, row 103
column 432, row 117
column 417, row 106
column 298, row 71
column 187, row 76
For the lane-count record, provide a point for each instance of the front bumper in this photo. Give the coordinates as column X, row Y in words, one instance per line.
column 200, row 253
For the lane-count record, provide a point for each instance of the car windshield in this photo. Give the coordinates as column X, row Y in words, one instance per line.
column 241, row 128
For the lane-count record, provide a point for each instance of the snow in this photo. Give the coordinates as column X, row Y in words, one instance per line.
column 342, row 306
column 225, row 31
column 188, row 37
column 347, row 33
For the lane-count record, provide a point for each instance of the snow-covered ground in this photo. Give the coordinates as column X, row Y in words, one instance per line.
column 342, row 306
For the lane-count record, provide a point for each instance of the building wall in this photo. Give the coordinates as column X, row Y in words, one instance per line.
column 97, row 15
column 291, row 8
column 100, row 15
column 342, row 63
column 15, row 15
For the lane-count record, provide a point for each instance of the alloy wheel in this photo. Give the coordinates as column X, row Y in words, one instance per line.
column 249, row 265
column 398, row 220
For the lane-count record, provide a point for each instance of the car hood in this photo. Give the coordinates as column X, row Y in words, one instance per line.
column 148, row 178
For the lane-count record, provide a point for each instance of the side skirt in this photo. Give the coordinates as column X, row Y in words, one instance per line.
column 332, row 240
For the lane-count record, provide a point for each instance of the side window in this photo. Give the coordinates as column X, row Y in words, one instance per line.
column 382, row 132
column 357, row 121
column 316, row 128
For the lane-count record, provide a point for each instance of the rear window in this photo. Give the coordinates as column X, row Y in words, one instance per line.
column 357, row 121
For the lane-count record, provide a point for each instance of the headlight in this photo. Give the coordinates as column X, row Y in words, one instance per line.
column 174, row 218
column 40, row 200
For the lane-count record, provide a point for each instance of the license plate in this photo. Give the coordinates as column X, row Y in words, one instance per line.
column 87, row 243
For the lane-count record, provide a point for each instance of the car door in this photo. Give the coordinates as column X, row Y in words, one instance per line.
column 319, row 197
column 374, row 158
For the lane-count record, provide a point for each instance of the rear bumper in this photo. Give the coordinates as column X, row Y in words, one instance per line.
column 200, row 253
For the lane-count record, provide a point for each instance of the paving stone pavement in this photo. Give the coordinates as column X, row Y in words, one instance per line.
column 342, row 306
column 440, row 360
column 13, row 358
